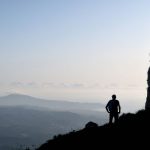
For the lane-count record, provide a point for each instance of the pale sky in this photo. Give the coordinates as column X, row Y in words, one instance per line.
column 76, row 50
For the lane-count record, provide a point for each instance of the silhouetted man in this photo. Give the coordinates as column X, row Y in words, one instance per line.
column 113, row 108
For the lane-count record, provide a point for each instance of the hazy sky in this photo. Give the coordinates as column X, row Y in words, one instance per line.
column 76, row 50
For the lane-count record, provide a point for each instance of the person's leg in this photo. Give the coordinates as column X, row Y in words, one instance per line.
column 116, row 116
column 110, row 118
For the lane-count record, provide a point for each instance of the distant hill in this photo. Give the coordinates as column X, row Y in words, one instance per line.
column 25, row 100
column 26, row 126
column 25, row 120
column 131, row 132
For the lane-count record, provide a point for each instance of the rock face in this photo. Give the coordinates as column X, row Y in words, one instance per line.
column 91, row 125
column 147, row 104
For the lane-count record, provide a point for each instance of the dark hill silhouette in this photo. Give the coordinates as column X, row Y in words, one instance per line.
column 131, row 131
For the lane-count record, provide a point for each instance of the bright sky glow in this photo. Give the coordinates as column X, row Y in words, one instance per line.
column 75, row 50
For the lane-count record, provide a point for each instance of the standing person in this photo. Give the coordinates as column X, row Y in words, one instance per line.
column 113, row 108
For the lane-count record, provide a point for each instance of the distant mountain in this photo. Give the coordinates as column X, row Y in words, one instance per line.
column 24, row 100
column 131, row 132
column 22, row 125
column 25, row 120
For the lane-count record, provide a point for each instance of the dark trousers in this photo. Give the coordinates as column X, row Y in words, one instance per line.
column 114, row 115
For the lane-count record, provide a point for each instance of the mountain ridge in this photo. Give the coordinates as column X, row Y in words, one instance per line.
column 129, row 132
column 19, row 99
column 32, row 123
column 20, row 125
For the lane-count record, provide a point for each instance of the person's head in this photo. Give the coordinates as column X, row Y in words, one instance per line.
column 114, row 97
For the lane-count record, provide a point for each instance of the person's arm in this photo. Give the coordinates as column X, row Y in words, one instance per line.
column 107, row 109
column 119, row 108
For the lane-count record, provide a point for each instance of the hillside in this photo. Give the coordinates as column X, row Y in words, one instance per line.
column 21, row 125
column 131, row 131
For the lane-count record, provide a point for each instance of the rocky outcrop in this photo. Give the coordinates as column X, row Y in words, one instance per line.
column 147, row 104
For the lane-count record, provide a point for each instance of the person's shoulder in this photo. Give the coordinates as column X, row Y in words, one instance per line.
column 117, row 101
column 110, row 101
